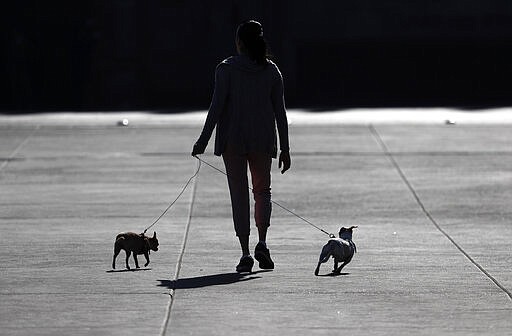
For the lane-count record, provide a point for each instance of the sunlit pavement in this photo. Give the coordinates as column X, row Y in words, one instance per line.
column 429, row 190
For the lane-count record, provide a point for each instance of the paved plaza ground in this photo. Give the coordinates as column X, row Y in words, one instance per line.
column 432, row 200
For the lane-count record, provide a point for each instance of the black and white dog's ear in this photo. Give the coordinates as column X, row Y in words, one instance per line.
column 353, row 227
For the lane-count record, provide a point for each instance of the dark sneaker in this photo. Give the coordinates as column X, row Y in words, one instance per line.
column 245, row 265
column 262, row 254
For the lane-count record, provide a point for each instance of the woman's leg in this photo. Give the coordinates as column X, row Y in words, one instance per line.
column 260, row 165
column 236, row 168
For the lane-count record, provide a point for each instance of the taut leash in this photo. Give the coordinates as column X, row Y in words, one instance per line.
column 274, row 202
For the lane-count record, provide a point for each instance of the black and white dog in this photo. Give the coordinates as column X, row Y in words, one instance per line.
column 342, row 249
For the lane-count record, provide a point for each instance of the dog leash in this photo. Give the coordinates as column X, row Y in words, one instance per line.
column 274, row 202
column 199, row 161
column 176, row 199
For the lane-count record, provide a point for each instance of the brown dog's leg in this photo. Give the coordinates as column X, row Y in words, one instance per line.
column 146, row 254
column 136, row 261
column 128, row 253
column 117, row 249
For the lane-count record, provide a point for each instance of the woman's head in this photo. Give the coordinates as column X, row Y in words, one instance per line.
column 250, row 41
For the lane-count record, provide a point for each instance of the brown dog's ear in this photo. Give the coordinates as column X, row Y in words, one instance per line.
column 154, row 234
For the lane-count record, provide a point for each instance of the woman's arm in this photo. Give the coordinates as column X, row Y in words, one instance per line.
column 220, row 95
column 280, row 112
column 281, row 121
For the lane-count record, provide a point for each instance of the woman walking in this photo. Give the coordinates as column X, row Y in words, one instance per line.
column 247, row 104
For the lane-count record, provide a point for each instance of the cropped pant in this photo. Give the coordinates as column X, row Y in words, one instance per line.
column 236, row 168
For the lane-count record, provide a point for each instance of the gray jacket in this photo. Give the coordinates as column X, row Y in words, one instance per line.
column 247, row 104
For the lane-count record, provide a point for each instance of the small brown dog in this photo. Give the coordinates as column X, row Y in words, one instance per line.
column 136, row 243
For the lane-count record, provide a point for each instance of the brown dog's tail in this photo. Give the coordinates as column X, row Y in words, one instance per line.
column 118, row 243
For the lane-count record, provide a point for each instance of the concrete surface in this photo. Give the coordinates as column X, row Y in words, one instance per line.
column 69, row 185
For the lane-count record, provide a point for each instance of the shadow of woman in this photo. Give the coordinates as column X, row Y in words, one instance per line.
column 209, row 280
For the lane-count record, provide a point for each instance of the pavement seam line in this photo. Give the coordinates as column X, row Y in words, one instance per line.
column 389, row 155
column 18, row 148
column 172, row 292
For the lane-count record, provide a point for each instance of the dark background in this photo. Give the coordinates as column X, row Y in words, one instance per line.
column 161, row 55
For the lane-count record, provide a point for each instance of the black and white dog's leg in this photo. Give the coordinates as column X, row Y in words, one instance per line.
column 324, row 256
column 338, row 270
column 317, row 268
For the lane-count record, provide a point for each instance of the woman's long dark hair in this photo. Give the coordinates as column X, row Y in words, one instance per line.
column 255, row 46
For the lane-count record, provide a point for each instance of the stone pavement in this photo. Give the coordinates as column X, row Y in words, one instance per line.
column 432, row 202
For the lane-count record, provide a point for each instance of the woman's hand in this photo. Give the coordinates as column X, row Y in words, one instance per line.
column 198, row 148
column 284, row 161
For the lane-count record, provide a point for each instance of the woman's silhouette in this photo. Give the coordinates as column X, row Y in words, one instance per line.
column 247, row 104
